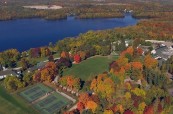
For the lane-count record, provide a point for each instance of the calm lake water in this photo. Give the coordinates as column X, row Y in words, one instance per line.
column 23, row 34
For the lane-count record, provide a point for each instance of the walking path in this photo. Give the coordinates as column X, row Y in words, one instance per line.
column 68, row 97
column 72, row 108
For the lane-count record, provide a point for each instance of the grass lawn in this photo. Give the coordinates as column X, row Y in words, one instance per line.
column 13, row 104
column 90, row 67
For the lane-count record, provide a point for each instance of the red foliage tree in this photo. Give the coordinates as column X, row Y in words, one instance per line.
column 35, row 52
column 77, row 58
column 139, row 51
column 80, row 106
column 128, row 112
column 37, row 76
column 149, row 110
column 160, row 108
column 114, row 66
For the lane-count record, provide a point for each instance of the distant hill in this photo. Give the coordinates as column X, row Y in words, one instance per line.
column 84, row 1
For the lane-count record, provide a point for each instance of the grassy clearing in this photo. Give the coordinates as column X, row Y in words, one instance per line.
column 13, row 104
column 90, row 67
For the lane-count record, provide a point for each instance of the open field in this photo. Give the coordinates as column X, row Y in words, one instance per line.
column 13, row 104
column 52, row 104
column 44, row 7
column 35, row 92
column 90, row 67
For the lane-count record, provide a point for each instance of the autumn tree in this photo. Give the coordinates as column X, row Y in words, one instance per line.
column 128, row 112
column 80, row 106
column 91, row 105
column 149, row 110
column 45, row 51
column 27, row 78
column 71, row 82
column 122, row 61
column 114, row 67
column 82, row 54
column 63, row 63
column 136, row 70
column 77, row 84
column 65, row 55
column 150, row 62
column 103, row 85
column 129, row 50
column 108, row 112
column 84, row 98
column 37, row 76
column 63, row 81
column 51, row 58
column 77, row 58
column 49, row 72
column 9, row 57
column 35, row 52
column 12, row 83
column 24, row 63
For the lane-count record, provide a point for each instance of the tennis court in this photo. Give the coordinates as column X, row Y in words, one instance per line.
column 35, row 92
column 52, row 104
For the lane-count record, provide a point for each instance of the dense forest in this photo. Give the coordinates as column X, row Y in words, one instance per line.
column 143, row 92
column 85, row 9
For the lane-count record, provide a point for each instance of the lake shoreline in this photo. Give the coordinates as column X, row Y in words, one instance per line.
column 65, row 17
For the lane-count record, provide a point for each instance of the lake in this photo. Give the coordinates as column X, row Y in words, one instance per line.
column 24, row 34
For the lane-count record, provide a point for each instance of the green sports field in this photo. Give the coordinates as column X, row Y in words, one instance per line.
column 13, row 104
column 90, row 67
column 52, row 104
column 35, row 92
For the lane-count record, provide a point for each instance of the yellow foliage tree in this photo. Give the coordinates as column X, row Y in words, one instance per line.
column 91, row 105
column 108, row 112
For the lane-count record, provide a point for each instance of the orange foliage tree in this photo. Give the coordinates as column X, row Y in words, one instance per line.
column 122, row 61
column 65, row 55
column 91, row 105
column 82, row 54
column 150, row 62
column 129, row 50
column 83, row 98
column 47, row 73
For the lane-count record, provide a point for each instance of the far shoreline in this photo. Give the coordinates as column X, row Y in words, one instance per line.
column 44, row 7
column 75, row 17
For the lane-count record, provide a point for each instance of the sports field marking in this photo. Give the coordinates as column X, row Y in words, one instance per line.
column 52, row 104
column 35, row 92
